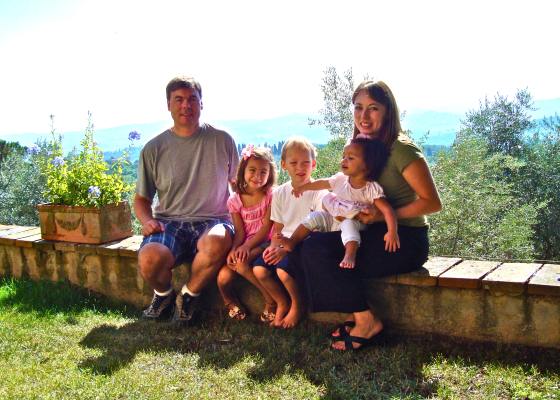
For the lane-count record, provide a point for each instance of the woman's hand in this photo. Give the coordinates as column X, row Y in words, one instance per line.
column 369, row 215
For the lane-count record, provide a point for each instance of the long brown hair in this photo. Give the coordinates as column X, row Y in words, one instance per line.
column 257, row 153
column 380, row 92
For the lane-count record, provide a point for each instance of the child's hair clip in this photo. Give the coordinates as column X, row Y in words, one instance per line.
column 247, row 152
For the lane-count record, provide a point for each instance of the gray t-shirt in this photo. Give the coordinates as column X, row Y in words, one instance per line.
column 189, row 174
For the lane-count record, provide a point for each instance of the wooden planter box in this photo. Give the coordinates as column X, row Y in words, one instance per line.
column 85, row 224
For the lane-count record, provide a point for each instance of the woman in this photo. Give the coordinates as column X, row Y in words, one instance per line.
column 410, row 189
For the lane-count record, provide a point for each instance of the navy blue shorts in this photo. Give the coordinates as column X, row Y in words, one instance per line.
column 180, row 237
column 284, row 264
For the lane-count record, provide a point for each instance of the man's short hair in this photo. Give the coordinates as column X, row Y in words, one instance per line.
column 182, row 82
column 300, row 143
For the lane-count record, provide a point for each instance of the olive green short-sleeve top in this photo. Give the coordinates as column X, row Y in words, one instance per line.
column 397, row 190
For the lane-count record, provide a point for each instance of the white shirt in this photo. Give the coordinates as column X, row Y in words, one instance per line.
column 365, row 195
column 290, row 211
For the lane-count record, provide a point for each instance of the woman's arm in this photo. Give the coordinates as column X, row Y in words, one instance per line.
column 417, row 175
column 392, row 241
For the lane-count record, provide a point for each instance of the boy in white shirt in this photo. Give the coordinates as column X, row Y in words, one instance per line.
column 287, row 212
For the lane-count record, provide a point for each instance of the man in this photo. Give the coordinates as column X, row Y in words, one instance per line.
column 189, row 167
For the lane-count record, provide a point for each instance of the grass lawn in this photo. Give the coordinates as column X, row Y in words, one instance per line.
column 56, row 342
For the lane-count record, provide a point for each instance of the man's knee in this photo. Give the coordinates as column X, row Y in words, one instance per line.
column 215, row 243
column 152, row 258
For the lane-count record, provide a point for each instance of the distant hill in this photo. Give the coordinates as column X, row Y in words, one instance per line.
column 442, row 128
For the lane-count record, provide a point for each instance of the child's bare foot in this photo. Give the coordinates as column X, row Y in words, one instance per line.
column 281, row 310
column 292, row 318
column 348, row 261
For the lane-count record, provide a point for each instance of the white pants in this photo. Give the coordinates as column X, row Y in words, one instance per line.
column 340, row 208
column 322, row 221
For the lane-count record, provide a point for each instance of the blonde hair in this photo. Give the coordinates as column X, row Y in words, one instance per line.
column 301, row 143
column 258, row 153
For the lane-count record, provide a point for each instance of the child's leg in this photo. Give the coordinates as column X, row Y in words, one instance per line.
column 320, row 221
column 350, row 233
column 275, row 289
column 246, row 271
column 226, row 276
column 350, row 250
column 296, row 308
column 299, row 234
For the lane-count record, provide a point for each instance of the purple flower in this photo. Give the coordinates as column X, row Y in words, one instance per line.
column 94, row 191
column 58, row 161
column 133, row 136
column 33, row 150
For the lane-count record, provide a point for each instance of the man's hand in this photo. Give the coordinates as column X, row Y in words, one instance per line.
column 152, row 226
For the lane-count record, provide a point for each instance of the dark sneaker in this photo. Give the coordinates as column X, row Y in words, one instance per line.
column 162, row 307
column 185, row 307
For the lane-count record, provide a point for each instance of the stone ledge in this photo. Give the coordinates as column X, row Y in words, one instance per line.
column 476, row 300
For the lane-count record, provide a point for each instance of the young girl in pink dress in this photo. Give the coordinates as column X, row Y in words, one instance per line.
column 249, row 207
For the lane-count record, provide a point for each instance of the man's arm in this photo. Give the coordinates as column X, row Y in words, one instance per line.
column 143, row 211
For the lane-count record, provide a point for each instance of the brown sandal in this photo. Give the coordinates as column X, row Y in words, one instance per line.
column 236, row 311
column 268, row 314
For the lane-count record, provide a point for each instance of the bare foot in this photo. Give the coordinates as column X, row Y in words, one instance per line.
column 365, row 330
column 348, row 261
column 281, row 310
column 292, row 318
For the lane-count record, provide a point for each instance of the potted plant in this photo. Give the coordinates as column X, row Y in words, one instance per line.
column 85, row 194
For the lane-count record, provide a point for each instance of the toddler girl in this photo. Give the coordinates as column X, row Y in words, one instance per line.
column 362, row 162
column 249, row 207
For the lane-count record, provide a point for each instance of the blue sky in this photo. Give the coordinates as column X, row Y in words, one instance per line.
column 259, row 59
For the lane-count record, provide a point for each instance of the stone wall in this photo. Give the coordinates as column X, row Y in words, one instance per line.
column 488, row 301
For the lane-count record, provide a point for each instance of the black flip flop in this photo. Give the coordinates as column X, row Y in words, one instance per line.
column 341, row 328
column 348, row 340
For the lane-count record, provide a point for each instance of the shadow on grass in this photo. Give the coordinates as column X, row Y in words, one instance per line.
column 393, row 370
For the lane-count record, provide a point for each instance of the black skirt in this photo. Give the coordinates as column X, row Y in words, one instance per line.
column 331, row 288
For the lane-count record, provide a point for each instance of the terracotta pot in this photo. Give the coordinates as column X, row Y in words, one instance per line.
column 92, row 225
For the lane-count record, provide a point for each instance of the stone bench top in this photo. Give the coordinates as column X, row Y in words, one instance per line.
column 495, row 276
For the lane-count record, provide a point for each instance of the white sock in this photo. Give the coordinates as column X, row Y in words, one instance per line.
column 185, row 289
column 164, row 294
